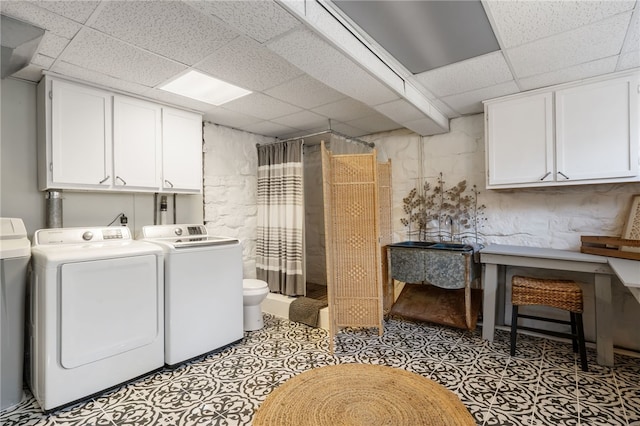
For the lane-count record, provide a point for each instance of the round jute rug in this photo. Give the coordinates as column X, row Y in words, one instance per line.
column 361, row 394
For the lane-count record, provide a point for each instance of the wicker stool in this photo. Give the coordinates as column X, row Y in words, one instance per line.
column 561, row 294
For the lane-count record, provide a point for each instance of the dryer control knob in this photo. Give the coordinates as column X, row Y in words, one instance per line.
column 87, row 235
column 178, row 231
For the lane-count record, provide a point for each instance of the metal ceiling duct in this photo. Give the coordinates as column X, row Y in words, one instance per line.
column 20, row 42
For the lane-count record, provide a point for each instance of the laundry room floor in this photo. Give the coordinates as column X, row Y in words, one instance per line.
column 542, row 385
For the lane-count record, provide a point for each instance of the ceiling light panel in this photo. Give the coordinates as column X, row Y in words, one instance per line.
column 202, row 87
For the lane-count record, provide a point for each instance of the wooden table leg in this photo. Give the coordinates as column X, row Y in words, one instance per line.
column 489, row 301
column 604, row 320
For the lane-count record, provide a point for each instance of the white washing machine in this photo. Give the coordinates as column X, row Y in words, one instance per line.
column 96, row 312
column 203, row 290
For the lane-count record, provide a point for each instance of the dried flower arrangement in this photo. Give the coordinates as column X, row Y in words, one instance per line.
column 435, row 208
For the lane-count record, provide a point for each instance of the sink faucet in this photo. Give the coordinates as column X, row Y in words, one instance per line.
column 449, row 221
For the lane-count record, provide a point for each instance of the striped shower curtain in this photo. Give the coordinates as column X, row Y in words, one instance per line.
column 280, row 240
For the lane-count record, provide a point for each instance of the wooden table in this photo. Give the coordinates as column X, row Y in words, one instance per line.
column 497, row 257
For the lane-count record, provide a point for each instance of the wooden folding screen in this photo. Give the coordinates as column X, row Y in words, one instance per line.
column 352, row 230
column 386, row 230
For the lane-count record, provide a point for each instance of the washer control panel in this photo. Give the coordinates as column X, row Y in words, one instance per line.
column 81, row 235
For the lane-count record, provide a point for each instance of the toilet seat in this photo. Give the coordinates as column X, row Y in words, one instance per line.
column 252, row 286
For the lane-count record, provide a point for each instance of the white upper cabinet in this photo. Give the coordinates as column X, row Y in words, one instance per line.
column 91, row 139
column 597, row 130
column 136, row 143
column 521, row 148
column 565, row 135
column 181, row 150
column 79, row 131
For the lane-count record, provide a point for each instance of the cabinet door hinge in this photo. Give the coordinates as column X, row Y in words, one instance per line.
column 51, row 167
column 50, row 94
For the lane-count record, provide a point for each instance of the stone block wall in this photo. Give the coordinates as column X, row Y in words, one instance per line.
column 230, row 187
column 539, row 217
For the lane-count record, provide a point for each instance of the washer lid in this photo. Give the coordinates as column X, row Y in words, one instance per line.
column 183, row 236
column 179, row 243
column 13, row 239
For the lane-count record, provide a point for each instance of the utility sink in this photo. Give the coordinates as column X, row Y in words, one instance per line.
column 443, row 264
column 433, row 245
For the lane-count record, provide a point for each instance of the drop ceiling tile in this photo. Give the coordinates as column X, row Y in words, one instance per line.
column 399, row 111
column 322, row 61
column 302, row 120
column 39, row 17
column 628, row 60
column 471, row 102
column 52, row 45
column 268, row 128
column 520, row 22
column 584, row 44
column 97, row 78
column 348, row 129
column 42, row 61
column 259, row 20
column 303, row 133
column 261, row 106
column 475, row 73
column 79, row 11
column 100, row 53
column 374, row 123
column 247, row 64
column 305, row 92
column 578, row 72
column 346, row 109
column 228, row 118
column 632, row 40
column 168, row 28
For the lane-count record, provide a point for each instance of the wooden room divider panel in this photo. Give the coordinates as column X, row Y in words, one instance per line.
column 385, row 202
column 352, row 229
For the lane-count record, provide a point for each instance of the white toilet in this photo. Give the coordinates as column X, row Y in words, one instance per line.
column 253, row 293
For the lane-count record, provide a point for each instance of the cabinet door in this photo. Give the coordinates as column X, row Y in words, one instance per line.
column 80, row 136
column 136, row 143
column 181, row 151
column 520, row 140
column 596, row 130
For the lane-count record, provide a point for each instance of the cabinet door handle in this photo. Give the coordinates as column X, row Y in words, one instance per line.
column 563, row 175
column 168, row 183
column 104, row 180
column 545, row 176
column 121, row 180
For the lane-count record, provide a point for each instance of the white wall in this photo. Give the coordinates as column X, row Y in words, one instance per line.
column 230, row 187
column 19, row 195
column 543, row 217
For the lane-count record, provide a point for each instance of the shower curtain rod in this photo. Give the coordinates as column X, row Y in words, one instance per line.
column 369, row 144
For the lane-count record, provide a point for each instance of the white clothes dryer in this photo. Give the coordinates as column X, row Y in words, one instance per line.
column 203, row 290
column 96, row 312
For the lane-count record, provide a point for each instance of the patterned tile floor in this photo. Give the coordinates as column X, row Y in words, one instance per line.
column 542, row 385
